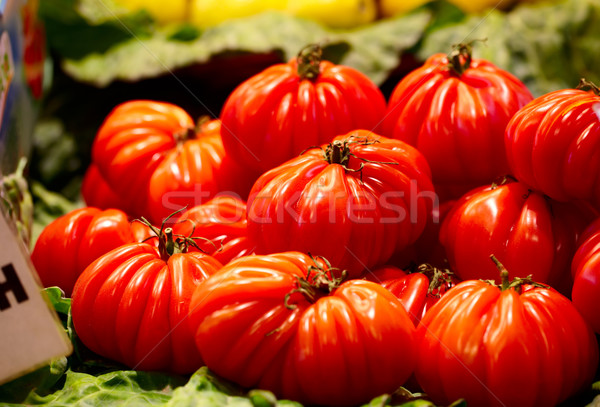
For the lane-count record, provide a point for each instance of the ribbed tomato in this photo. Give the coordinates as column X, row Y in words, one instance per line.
column 553, row 145
column 131, row 305
column 281, row 322
column 355, row 201
column 150, row 154
column 525, row 230
column 514, row 345
column 219, row 226
column 454, row 110
column 287, row 108
column 70, row 243
column 585, row 270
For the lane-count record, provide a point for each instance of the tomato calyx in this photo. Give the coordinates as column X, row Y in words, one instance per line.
column 339, row 152
column 461, row 56
column 170, row 243
column 516, row 284
column 584, row 84
column 439, row 280
column 184, row 135
column 320, row 281
column 309, row 62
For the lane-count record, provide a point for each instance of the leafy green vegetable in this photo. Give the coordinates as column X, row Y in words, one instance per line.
column 48, row 206
column 548, row 47
column 373, row 49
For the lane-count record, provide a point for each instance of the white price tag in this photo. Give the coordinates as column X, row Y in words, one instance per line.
column 30, row 332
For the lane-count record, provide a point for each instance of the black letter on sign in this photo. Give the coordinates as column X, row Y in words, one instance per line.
column 13, row 284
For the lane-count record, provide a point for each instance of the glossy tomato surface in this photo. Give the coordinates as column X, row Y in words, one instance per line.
column 553, row 145
column 131, row 306
column 456, row 117
column 526, row 231
column 585, row 269
column 527, row 347
column 152, row 156
column 220, row 228
column 253, row 327
column 355, row 201
column 70, row 243
column 278, row 113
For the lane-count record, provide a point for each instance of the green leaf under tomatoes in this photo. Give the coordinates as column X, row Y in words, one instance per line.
column 374, row 49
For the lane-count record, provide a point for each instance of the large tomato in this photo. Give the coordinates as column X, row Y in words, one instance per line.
column 287, row 108
column 219, row 226
column 525, row 230
column 585, row 269
column 281, row 322
column 454, row 110
column 518, row 345
column 150, row 154
column 131, row 305
column 355, row 201
column 553, row 145
column 70, row 243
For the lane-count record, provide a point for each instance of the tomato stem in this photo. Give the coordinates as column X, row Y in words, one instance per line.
column 319, row 281
column 460, row 58
column 585, row 84
column 436, row 277
column 309, row 62
column 517, row 283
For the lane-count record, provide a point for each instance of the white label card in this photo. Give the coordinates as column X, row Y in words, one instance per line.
column 30, row 331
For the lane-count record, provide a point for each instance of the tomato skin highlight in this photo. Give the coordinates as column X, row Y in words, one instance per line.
column 526, row 231
column 552, row 145
column 343, row 349
column 357, row 215
column 131, row 306
column 456, row 121
column 276, row 114
column 71, row 242
column 504, row 348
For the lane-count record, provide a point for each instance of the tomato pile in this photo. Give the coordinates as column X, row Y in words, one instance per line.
column 330, row 246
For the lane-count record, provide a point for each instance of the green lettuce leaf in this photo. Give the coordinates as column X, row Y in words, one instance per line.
column 547, row 46
column 374, row 49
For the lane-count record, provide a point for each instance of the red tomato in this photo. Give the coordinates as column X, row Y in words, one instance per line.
column 222, row 221
column 552, row 145
column 585, row 269
column 455, row 111
column 417, row 291
column 287, row 108
column 355, row 201
column 150, row 155
column 131, row 305
column 70, row 243
column 279, row 322
column 525, row 230
column 500, row 346
column 96, row 192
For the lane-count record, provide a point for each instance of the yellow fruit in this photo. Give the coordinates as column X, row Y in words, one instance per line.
column 335, row 13
column 390, row 8
column 208, row 13
column 173, row 11
column 476, row 6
